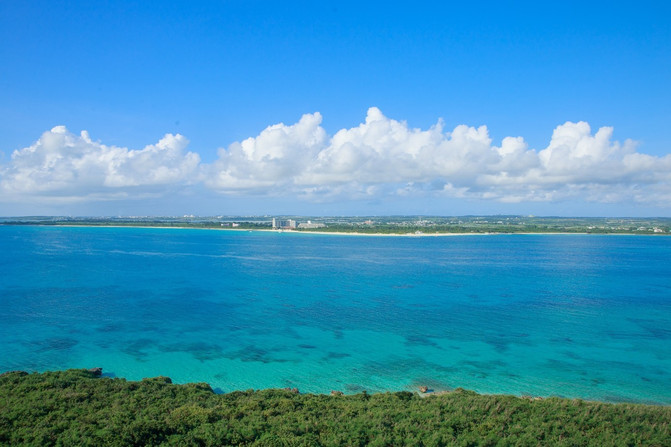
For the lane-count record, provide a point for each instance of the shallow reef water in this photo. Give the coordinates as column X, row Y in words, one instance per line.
column 581, row 316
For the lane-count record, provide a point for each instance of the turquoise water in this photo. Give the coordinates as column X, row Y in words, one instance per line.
column 569, row 315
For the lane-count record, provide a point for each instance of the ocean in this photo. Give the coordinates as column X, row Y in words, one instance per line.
column 579, row 316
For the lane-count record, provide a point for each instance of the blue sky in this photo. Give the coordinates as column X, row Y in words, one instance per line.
column 335, row 108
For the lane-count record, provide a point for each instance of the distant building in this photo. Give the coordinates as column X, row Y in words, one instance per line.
column 311, row 225
column 288, row 224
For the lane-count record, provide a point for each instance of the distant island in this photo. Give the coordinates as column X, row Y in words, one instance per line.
column 396, row 225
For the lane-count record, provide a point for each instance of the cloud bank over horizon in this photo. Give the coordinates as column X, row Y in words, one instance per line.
column 380, row 159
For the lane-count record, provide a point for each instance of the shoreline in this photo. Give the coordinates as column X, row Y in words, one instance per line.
column 98, row 373
column 341, row 233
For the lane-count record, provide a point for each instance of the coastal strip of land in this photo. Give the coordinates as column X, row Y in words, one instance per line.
column 412, row 226
column 79, row 407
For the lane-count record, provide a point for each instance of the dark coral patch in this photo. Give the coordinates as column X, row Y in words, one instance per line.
column 54, row 344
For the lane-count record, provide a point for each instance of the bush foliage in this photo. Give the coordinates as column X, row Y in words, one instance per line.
column 76, row 408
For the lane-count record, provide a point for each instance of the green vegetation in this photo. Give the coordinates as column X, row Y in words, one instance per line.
column 153, row 222
column 495, row 224
column 76, row 408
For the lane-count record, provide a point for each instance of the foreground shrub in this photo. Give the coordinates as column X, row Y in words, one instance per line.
column 76, row 408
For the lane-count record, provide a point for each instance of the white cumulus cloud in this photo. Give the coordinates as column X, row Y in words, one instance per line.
column 68, row 166
column 270, row 161
column 381, row 158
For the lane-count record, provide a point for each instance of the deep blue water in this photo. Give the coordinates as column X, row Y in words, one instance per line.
column 570, row 315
